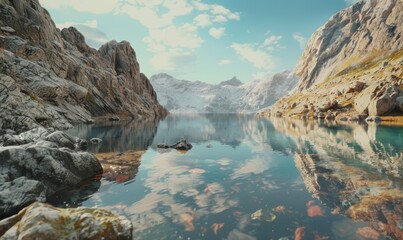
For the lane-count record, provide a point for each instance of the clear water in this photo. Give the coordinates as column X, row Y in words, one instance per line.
column 244, row 178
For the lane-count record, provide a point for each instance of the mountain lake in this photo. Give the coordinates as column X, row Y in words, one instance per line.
column 247, row 178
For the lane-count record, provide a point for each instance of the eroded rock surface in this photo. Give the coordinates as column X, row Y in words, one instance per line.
column 37, row 164
column 355, row 59
column 52, row 78
column 42, row 221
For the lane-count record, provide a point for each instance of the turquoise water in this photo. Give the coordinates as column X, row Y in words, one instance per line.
column 248, row 178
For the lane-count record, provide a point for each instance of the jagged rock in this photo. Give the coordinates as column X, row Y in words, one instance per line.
column 52, row 78
column 7, row 29
column 355, row 87
column 356, row 30
column 75, row 38
column 378, row 99
column 42, row 221
column 349, row 53
column 44, row 163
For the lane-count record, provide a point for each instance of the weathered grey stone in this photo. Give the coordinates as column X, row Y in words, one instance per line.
column 37, row 163
column 7, row 29
column 18, row 193
column 42, row 221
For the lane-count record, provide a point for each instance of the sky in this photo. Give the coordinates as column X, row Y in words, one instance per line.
column 205, row 40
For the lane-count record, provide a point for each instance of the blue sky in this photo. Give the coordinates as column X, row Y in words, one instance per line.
column 206, row 40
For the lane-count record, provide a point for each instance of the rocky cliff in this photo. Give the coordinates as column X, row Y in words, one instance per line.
column 53, row 78
column 231, row 96
column 353, row 64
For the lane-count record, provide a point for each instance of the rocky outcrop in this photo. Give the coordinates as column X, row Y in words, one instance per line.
column 42, row 221
column 346, row 60
column 52, row 78
column 36, row 164
column 365, row 27
column 378, row 99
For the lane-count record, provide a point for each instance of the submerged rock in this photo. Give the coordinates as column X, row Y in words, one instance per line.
column 42, row 221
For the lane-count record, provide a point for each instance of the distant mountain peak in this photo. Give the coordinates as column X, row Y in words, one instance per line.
column 234, row 81
column 161, row 76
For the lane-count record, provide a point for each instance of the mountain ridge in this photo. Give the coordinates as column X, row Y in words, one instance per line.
column 52, row 78
column 352, row 66
column 229, row 96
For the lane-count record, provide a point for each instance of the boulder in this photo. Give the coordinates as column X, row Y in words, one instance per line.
column 42, row 221
column 378, row 99
column 384, row 102
column 39, row 163
column 357, row 86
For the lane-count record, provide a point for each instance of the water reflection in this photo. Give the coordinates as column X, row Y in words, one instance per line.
column 356, row 170
column 250, row 178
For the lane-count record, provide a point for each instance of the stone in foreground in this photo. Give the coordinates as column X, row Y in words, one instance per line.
column 42, row 221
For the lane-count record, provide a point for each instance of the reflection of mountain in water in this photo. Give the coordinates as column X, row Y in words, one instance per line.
column 201, row 128
column 355, row 170
column 119, row 136
column 228, row 129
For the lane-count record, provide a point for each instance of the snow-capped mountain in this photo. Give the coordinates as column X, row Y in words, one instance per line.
column 229, row 96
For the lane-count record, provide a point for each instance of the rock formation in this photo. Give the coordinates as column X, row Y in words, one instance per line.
column 42, row 221
column 36, row 164
column 52, row 78
column 356, row 60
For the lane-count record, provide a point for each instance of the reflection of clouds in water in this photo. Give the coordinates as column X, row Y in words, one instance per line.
column 168, row 181
column 253, row 166
column 238, row 235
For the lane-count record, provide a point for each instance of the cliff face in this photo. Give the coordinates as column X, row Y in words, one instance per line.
column 352, row 66
column 366, row 27
column 53, row 78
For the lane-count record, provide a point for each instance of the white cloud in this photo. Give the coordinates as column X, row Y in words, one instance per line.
column 224, row 62
column 255, row 55
column 300, row 39
column 169, row 38
column 216, row 33
column 91, row 6
column 272, row 42
column 203, row 20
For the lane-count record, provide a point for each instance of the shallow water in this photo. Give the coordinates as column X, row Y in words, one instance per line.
column 248, row 178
